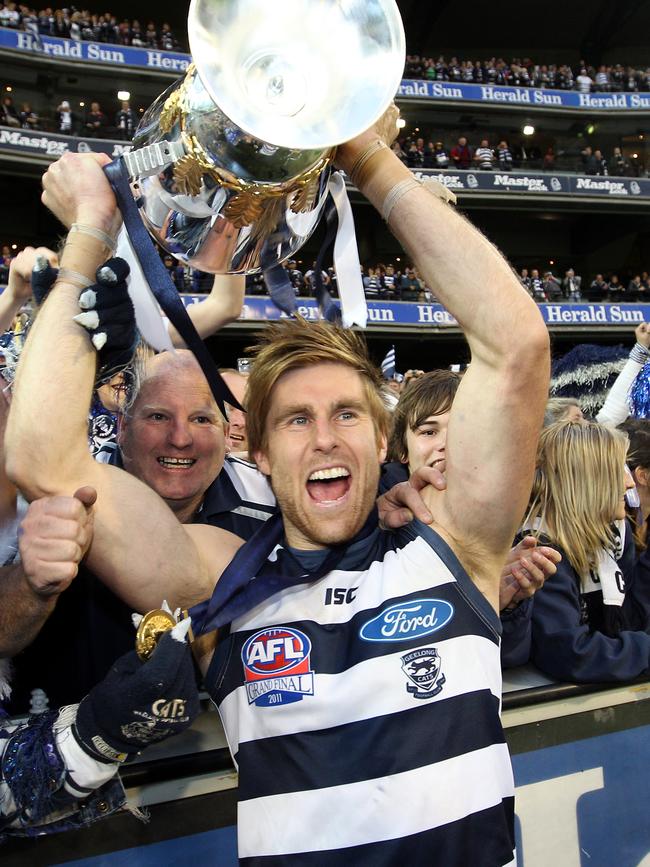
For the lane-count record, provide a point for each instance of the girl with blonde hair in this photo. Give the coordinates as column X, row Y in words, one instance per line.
column 588, row 622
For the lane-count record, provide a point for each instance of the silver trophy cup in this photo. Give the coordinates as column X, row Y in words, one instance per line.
column 230, row 165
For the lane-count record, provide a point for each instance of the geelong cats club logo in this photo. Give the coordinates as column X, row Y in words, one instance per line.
column 276, row 667
column 422, row 667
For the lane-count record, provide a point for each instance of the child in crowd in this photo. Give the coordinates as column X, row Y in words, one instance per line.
column 588, row 622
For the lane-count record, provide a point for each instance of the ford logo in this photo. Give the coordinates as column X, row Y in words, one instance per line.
column 407, row 620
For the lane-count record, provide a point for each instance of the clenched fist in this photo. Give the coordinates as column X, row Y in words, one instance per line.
column 53, row 537
column 22, row 267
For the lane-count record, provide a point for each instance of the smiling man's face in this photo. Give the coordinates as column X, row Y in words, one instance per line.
column 322, row 453
column 173, row 438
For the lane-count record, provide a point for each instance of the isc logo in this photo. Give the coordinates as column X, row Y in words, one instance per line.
column 340, row 595
column 274, row 651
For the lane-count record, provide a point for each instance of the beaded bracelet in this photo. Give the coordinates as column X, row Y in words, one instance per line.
column 639, row 353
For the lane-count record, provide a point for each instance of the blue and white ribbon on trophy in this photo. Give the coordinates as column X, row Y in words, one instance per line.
column 151, row 288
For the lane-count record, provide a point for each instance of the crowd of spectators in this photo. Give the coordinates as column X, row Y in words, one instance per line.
column 71, row 23
column 399, row 282
column 91, row 121
column 395, row 282
column 429, row 151
column 576, row 506
column 23, row 116
column 524, row 72
column 545, row 286
column 87, row 119
column 381, row 282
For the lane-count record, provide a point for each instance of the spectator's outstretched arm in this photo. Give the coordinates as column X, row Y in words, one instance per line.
column 31, row 273
column 136, row 536
column 10, row 304
column 22, row 613
column 616, row 407
column 222, row 306
column 52, row 539
column 498, row 410
column 19, row 287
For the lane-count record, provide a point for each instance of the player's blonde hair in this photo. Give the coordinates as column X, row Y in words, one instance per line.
column 295, row 343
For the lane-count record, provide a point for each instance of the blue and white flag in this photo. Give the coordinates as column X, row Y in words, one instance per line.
column 388, row 364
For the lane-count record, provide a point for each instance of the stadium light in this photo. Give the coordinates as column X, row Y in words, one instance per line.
column 400, row 123
column 528, row 129
column 123, row 95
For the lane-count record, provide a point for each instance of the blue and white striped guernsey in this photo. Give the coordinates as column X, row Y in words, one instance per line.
column 362, row 711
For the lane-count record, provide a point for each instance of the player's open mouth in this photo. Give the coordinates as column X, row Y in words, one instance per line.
column 329, row 486
column 236, row 438
column 177, row 463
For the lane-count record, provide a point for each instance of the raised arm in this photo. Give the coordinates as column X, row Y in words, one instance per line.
column 616, row 407
column 222, row 306
column 19, row 289
column 498, row 410
column 139, row 549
